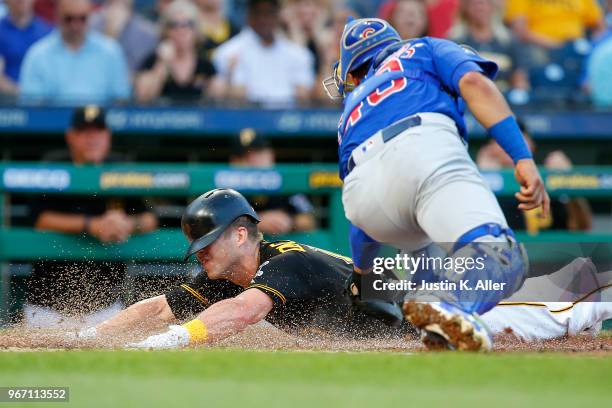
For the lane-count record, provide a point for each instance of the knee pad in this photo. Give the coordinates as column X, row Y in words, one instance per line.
column 495, row 271
column 501, row 269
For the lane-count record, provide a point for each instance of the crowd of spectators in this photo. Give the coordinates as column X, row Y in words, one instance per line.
column 274, row 52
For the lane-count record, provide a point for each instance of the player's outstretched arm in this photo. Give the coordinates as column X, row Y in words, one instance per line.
column 142, row 317
column 232, row 316
column 221, row 320
column 489, row 107
column 146, row 315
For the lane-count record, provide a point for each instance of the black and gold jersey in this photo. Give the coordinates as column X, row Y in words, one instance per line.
column 305, row 283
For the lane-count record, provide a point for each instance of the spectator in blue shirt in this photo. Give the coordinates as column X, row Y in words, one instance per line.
column 73, row 65
column 19, row 29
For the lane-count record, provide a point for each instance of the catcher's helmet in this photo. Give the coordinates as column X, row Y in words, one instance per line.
column 361, row 40
column 206, row 217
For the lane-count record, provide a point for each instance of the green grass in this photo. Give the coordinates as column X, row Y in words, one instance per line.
column 212, row 378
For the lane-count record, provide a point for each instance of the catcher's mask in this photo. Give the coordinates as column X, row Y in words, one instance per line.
column 361, row 41
column 206, row 217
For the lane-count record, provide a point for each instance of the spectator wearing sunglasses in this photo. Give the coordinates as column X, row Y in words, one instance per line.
column 178, row 70
column 73, row 65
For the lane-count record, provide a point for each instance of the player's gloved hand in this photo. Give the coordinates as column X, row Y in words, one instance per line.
column 388, row 312
column 175, row 337
column 533, row 192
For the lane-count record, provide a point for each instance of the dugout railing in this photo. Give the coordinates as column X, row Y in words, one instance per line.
column 19, row 244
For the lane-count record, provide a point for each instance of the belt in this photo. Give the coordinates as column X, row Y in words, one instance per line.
column 389, row 133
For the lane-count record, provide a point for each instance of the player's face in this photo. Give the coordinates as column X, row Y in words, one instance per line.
column 89, row 145
column 219, row 259
column 351, row 82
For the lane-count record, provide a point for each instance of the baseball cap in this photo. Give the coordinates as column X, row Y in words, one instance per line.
column 89, row 116
column 248, row 140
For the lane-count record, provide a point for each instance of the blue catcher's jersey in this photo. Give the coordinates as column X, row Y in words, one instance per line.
column 421, row 76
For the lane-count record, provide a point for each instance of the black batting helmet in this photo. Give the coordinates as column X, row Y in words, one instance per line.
column 205, row 219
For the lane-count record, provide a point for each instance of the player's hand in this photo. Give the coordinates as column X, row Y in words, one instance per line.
column 275, row 222
column 532, row 193
column 175, row 337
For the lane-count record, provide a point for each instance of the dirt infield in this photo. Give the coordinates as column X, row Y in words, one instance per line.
column 269, row 338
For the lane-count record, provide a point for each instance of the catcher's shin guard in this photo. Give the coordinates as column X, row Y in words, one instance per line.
column 503, row 271
column 497, row 270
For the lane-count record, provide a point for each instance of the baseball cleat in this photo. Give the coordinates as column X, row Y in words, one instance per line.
column 444, row 326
